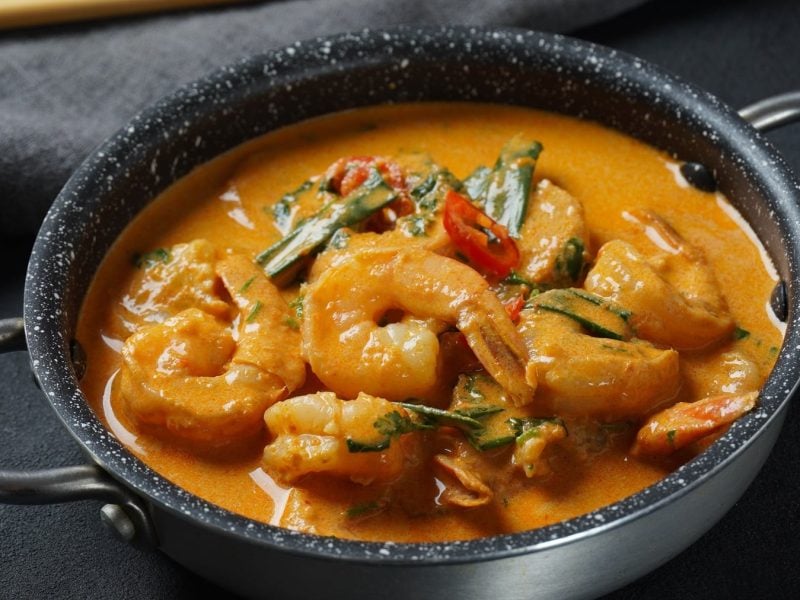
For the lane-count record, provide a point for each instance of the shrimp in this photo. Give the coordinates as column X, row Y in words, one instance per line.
column 554, row 237
column 687, row 422
column 581, row 375
column 315, row 434
column 436, row 240
column 350, row 351
column 669, row 286
column 740, row 374
column 201, row 381
column 172, row 280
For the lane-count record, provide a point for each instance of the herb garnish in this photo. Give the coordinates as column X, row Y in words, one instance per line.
column 740, row 334
column 391, row 425
column 254, row 311
column 363, row 509
column 149, row 259
column 297, row 305
column 570, row 262
column 247, row 284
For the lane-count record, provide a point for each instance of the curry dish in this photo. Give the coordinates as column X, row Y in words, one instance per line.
column 428, row 322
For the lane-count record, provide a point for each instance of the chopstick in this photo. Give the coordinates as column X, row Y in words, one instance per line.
column 26, row 13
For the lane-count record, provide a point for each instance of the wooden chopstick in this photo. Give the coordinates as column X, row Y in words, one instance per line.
column 26, row 13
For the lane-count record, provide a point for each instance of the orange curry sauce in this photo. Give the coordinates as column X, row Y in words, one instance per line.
column 224, row 202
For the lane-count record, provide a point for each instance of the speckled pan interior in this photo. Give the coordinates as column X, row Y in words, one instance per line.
column 320, row 76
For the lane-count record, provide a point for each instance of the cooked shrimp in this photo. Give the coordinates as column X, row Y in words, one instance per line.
column 198, row 379
column 350, row 351
column 172, row 280
column 313, row 434
column 350, row 242
column 582, row 375
column 740, row 374
column 687, row 422
column 668, row 285
column 554, row 237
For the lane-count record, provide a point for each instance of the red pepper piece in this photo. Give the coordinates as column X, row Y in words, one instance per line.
column 482, row 240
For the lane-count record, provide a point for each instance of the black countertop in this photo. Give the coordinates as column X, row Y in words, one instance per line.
column 740, row 51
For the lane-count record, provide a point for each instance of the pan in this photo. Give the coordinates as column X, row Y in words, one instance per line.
column 569, row 559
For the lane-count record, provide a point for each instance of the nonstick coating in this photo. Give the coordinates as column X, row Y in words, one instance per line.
column 306, row 79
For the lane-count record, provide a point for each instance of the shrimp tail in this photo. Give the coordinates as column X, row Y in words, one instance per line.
column 500, row 350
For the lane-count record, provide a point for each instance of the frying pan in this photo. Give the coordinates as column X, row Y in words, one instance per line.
column 581, row 557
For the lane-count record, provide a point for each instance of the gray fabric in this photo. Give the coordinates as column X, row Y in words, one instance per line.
column 65, row 89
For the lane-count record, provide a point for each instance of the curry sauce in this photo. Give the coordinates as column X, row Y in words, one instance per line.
column 626, row 191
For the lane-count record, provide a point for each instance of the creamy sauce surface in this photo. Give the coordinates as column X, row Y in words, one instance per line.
column 228, row 202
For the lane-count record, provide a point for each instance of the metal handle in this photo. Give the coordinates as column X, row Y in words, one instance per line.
column 12, row 335
column 123, row 514
column 773, row 111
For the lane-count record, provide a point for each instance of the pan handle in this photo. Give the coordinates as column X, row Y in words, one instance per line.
column 12, row 335
column 123, row 512
column 773, row 112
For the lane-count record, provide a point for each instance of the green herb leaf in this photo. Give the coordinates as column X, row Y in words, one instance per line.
column 527, row 428
column 356, row 446
column 470, row 386
column 416, row 225
column 438, row 416
column 362, row 509
column 479, row 412
column 246, row 285
column 671, row 437
column 152, row 258
column 297, row 306
column 340, row 239
column 570, row 263
column 740, row 334
column 394, row 424
column 254, row 311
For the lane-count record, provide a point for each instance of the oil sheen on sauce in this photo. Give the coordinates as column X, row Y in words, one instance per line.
column 224, row 202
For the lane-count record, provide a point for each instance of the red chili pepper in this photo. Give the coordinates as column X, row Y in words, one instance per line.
column 514, row 307
column 483, row 241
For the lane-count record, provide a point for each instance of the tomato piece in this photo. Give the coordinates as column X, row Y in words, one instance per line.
column 347, row 174
column 514, row 307
column 482, row 240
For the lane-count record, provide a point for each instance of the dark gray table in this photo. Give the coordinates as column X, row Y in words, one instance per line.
column 741, row 51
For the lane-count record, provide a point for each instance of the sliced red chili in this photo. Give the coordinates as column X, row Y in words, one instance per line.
column 514, row 307
column 483, row 241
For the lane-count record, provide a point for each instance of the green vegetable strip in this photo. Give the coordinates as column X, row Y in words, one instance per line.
column 310, row 235
column 503, row 191
column 591, row 326
column 595, row 314
column 437, row 415
column 477, row 183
